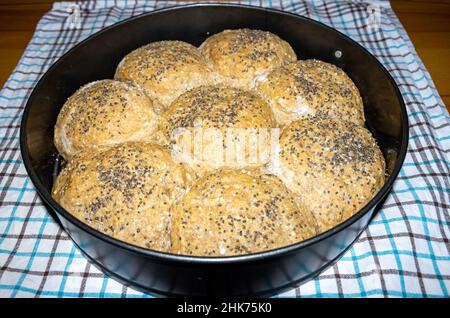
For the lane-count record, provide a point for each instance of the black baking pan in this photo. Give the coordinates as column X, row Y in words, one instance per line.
column 167, row 274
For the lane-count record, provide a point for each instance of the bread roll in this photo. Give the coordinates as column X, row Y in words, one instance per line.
column 308, row 88
column 238, row 56
column 335, row 167
column 164, row 69
column 125, row 192
column 238, row 212
column 242, row 121
column 104, row 113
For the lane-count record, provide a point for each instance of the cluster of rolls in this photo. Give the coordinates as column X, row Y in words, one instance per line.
column 121, row 175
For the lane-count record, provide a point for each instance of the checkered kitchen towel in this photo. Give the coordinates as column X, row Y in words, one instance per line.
column 405, row 251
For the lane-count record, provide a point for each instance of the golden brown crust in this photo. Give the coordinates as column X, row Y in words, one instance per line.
column 103, row 113
column 164, row 69
column 227, row 109
column 238, row 56
column 308, row 88
column 125, row 192
column 335, row 167
column 232, row 212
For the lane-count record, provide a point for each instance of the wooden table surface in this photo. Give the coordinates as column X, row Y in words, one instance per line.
column 427, row 23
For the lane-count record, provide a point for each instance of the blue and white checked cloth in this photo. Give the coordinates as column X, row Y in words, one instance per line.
column 405, row 252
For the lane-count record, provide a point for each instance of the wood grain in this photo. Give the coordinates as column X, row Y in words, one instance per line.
column 427, row 24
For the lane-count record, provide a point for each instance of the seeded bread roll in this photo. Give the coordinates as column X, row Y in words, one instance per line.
column 164, row 69
column 125, row 192
column 238, row 212
column 311, row 87
column 103, row 113
column 335, row 167
column 217, row 120
column 238, row 56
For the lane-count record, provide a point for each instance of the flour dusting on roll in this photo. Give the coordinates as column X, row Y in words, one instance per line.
column 234, row 212
column 165, row 70
column 103, row 114
column 238, row 56
column 335, row 167
column 308, row 88
column 224, row 127
column 125, row 192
